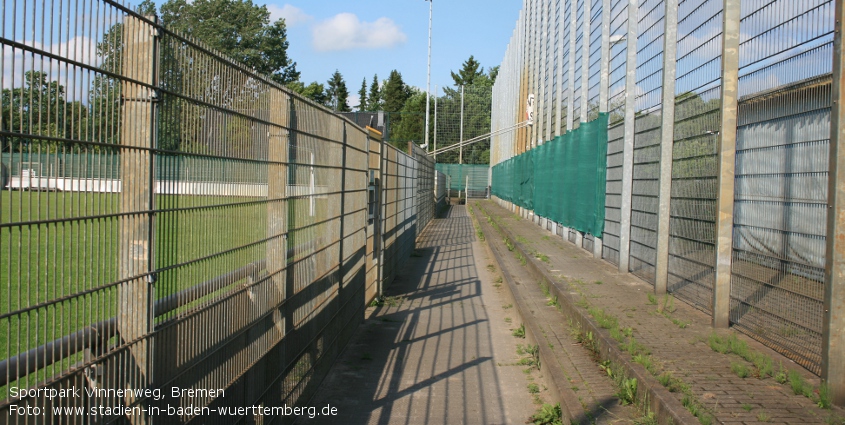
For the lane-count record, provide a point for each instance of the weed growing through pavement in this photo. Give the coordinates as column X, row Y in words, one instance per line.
column 519, row 332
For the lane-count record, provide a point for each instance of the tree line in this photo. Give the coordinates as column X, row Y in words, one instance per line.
column 239, row 29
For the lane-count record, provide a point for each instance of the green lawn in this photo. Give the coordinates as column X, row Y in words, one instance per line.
column 197, row 238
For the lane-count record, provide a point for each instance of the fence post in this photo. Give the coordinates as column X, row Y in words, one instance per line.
column 136, row 295
column 727, row 161
column 585, row 65
column 604, row 88
column 628, row 144
column 461, row 139
column 667, row 140
column 833, row 329
column 277, row 206
column 570, row 99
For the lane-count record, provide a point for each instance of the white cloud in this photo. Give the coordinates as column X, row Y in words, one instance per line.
column 291, row 14
column 346, row 32
column 353, row 101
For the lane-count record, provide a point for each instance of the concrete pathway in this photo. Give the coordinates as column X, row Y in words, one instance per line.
column 440, row 350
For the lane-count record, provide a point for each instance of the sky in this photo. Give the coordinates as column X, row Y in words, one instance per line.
column 365, row 37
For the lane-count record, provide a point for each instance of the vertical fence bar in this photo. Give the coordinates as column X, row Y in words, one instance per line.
column 628, row 146
column 833, row 330
column 667, row 139
column 727, row 162
column 135, row 296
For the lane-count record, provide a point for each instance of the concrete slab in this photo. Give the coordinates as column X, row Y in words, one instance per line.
column 439, row 350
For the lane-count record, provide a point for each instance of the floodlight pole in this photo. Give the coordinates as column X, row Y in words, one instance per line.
column 428, row 77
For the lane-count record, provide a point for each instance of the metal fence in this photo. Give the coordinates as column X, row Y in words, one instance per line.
column 690, row 87
column 172, row 219
column 470, row 180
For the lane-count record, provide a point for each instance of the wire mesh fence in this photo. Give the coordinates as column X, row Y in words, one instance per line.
column 170, row 219
column 779, row 192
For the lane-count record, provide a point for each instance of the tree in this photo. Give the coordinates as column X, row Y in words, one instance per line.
column 492, row 73
column 375, row 95
column 40, row 108
column 412, row 125
column 238, row 29
column 362, row 95
column 395, row 92
column 338, row 93
column 470, row 71
column 314, row 91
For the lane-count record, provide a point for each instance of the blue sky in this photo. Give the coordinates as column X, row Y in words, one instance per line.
column 365, row 37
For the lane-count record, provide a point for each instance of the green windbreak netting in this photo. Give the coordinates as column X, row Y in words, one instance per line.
column 563, row 180
column 478, row 175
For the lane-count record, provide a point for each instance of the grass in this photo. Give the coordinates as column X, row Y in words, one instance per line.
column 519, row 332
column 547, row 414
column 798, row 384
column 763, row 417
column 740, row 369
column 197, row 238
column 747, row 407
column 605, row 320
column 533, row 388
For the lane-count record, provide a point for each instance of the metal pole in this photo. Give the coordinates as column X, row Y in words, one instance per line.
column 833, row 327
column 667, row 140
column 461, row 153
column 428, row 77
column 628, row 146
column 435, row 122
column 727, row 162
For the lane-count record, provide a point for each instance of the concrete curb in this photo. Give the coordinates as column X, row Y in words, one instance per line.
column 554, row 379
column 667, row 409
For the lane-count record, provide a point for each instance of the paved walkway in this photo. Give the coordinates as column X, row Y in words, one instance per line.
column 677, row 341
column 440, row 349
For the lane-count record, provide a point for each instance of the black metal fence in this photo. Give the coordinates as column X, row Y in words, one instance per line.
column 170, row 219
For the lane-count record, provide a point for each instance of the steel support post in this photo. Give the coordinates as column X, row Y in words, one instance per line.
column 570, row 101
column 667, row 139
column 628, row 143
column 833, row 329
column 585, row 63
column 727, row 161
column 604, row 86
column 461, row 139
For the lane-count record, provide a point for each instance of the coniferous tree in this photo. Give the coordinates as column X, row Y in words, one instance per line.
column 395, row 92
column 338, row 93
column 468, row 73
column 362, row 95
column 375, row 95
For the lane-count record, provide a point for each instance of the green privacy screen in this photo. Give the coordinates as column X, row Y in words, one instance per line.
column 563, row 180
column 478, row 175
